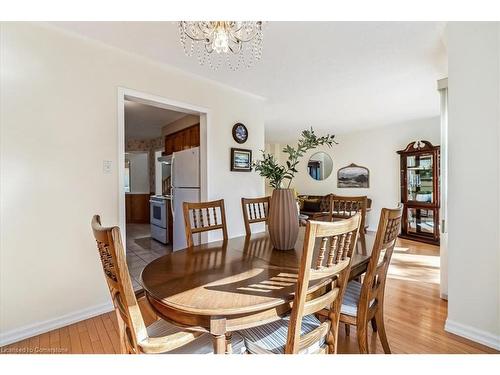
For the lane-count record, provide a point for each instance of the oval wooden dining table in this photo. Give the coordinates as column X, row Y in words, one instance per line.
column 221, row 287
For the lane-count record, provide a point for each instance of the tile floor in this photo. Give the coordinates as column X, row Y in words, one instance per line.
column 142, row 249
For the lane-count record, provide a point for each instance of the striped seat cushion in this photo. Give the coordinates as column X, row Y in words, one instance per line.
column 200, row 345
column 271, row 338
column 351, row 298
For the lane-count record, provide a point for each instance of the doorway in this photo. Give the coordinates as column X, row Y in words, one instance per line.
column 144, row 124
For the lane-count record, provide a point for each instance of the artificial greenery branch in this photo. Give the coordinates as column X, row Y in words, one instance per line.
column 269, row 168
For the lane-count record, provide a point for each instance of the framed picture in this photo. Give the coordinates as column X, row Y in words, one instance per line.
column 241, row 160
column 353, row 176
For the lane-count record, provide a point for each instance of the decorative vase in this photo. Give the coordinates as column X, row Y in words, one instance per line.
column 283, row 222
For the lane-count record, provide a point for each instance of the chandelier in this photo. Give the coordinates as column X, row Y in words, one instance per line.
column 237, row 43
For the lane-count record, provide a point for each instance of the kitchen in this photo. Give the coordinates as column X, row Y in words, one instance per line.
column 162, row 164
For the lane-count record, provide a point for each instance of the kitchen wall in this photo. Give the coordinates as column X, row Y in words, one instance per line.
column 139, row 172
column 58, row 124
column 151, row 146
column 182, row 123
column 474, row 181
column 374, row 149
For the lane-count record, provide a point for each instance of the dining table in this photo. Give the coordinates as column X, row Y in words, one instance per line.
column 225, row 286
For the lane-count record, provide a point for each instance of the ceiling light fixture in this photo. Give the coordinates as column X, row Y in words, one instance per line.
column 238, row 43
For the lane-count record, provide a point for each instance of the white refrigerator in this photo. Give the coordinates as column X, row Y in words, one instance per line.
column 185, row 180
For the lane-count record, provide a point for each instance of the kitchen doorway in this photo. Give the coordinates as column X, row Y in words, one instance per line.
column 151, row 130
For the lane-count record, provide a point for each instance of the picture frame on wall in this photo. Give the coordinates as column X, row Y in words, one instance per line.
column 241, row 160
column 353, row 176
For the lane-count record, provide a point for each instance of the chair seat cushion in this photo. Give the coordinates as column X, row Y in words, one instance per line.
column 200, row 345
column 271, row 338
column 351, row 299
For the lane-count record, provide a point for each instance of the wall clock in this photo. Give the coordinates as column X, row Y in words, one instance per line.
column 240, row 133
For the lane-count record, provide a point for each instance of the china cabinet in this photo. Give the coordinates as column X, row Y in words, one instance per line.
column 419, row 176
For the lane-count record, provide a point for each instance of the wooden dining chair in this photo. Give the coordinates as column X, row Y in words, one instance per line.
column 327, row 266
column 203, row 217
column 343, row 207
column 135, row 336
column 364, row 302
column 255, row 210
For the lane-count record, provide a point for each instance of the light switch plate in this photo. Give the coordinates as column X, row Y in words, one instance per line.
column 106, row 166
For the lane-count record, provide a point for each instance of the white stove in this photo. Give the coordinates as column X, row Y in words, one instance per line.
column 159, row 217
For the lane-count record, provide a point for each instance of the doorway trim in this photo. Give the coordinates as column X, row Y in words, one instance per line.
column 442, row 86
column 166, row 103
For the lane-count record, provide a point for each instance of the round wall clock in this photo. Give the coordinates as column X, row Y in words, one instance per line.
column 240, row 133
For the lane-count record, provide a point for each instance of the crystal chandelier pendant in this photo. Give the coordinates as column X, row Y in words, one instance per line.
column 236, row 43
column 220, row 43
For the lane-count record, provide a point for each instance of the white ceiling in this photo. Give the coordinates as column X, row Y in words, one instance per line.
column 334, row 76
column 145, row 122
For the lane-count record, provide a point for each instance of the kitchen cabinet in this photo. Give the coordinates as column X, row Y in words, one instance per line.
column 137, row 208
column 182, row 139
column 169, row 145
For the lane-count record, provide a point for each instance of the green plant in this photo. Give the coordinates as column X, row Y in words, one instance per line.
column 269, row 168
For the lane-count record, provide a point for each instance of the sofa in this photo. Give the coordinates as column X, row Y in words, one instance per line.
column 314, row 206
column 318, row 206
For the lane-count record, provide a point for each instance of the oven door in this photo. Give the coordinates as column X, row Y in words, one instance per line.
column 158, row 213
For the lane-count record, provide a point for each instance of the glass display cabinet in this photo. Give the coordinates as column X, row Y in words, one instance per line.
column 419, row 175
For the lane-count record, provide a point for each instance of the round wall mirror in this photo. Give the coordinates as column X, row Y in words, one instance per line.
column 320, row 166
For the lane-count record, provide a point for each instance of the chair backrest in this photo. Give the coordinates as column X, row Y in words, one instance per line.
column 329, row 265
column 324, row 203
column 345, row 207
column 376, row 273
column 203, row 217
column 130, row 321
column 255, row 210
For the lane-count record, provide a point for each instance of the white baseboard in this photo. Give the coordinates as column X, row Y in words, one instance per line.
column 474, row 334
column 38, row 328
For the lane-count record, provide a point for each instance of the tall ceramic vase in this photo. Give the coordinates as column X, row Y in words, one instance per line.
column 283, row 223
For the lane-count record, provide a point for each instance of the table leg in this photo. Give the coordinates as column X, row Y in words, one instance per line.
column 229, row 345
column 219, row 344
column 362, row 242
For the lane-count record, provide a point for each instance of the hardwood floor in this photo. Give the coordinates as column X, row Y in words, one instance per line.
column 414, row 313
column 414, row 316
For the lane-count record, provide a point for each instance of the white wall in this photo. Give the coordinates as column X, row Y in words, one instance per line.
column 473, row 184
column 139, row 172
column 58, row 124
column 374, row 149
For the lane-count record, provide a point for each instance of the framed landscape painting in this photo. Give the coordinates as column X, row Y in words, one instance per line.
column 241, row 160
column 353, row 176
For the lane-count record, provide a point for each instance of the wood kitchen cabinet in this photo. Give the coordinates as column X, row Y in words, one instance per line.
column 169, row 145
column 137, row 208
column 182, row 139
column 194, row 135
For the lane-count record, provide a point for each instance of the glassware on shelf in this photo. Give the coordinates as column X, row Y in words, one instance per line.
column 419, row 178
column 420, row 220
